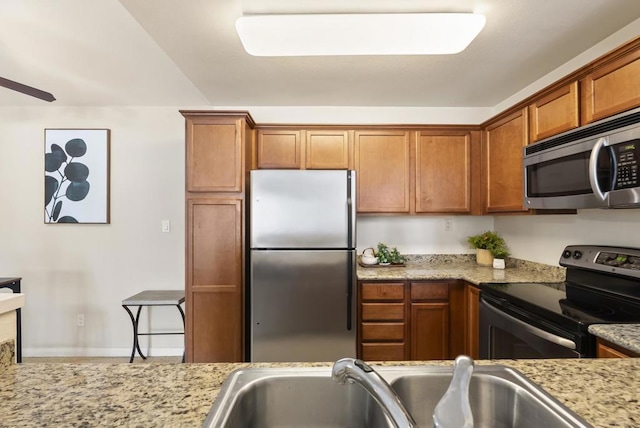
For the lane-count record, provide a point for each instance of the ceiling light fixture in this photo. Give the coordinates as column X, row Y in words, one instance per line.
column 358, row 34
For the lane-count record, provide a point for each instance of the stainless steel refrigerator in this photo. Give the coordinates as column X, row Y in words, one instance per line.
column 302, row 265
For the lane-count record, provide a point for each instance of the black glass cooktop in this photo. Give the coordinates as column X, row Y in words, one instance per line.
column 569, row 305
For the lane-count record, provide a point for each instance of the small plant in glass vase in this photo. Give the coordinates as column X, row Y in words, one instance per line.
column 389, row 256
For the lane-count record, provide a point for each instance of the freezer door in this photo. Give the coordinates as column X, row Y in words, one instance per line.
column 302, row 209
column 302, row 305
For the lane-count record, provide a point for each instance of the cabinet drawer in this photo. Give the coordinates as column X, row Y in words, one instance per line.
column 383, row 351
column 429, row 291
column 383, row 331
column 383, row 311
column 383, row 291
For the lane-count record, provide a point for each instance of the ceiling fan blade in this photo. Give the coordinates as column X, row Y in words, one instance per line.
column 28, row 90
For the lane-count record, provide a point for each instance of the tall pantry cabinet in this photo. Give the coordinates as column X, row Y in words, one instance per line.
column 218, row 160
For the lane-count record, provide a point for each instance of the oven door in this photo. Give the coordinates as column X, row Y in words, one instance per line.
column 513, row 334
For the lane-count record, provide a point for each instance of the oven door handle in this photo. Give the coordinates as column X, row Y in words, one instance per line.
column 566, row 343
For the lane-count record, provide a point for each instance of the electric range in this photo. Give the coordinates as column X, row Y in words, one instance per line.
column 551, row 320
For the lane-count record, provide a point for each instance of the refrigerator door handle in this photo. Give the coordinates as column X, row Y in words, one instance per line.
column 350, row 293
column 351, row 209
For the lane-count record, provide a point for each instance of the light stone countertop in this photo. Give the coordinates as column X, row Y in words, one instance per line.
column 7, row 352
column 605, row 392
column 624, row 335
column 463, row 266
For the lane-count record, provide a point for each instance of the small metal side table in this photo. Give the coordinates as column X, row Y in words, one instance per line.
column 14, row 285
column 152, row 298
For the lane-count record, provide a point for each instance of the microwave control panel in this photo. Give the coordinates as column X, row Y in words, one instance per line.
column 626, row 157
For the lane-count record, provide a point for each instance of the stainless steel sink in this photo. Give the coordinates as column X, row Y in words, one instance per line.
column 308, row 397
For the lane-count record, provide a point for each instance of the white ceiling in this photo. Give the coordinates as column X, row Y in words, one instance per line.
column 186, row 53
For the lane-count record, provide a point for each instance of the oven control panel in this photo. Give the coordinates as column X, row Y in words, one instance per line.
column 625, row 261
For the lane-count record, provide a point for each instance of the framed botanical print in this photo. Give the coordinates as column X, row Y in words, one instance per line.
column 76, row 175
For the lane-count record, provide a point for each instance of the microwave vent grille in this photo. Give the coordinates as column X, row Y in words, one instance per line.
column 585, row 132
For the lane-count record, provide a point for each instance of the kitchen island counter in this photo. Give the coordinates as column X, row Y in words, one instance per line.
column 463, row 266
column 603, row 392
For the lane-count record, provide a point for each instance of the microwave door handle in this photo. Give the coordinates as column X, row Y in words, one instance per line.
column 593, row 169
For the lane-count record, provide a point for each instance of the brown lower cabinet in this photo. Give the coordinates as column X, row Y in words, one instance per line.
column 382, row 327
column 606, row 349
column 417, row 320
column 472, row 320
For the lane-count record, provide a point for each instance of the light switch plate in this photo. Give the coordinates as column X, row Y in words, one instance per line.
column 166, row 226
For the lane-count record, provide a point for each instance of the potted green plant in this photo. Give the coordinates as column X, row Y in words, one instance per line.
column 499, row 256
column 388, row 255
column 488, row 245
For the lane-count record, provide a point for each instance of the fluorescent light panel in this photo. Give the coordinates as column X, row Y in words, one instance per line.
column 358, row 34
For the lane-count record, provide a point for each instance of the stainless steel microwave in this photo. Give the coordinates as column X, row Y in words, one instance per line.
column 594, row 166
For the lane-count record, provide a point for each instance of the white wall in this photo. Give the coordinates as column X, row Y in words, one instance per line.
column 542, row 238
column 420, row 234
column 89, row 269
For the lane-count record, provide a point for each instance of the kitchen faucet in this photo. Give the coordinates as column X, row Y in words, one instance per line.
column 452, row 411
column 357, row 371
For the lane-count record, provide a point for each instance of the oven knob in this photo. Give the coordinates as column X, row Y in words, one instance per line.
column 566, row 254
column 577, row 254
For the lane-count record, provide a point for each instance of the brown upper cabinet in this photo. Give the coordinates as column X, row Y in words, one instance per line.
column 502, row 147
column 554, row 113
column 214, row 154
column 446, row 167
column 382, row 163
column 279, row 149
column 297, row 148
column 328, row 149
column 611, row 88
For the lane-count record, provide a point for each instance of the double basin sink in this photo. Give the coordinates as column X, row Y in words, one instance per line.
column 500, row 397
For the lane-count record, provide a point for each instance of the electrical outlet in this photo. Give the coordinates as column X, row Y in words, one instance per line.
column 166, row 226
column 448, row 224
column 80, row 320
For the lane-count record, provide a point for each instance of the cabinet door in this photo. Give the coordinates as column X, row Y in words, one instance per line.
column 612, row 88
column 429, row 331
column 502, row 156
column 443, row 172
column 214, row 154
column 382, row 161
column 214, row 296
column 554, row 113
column 279, row 149
column 604, row 351
column 327, row 149
column 472, row 325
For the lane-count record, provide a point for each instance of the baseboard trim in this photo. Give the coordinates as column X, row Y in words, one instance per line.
column 99, row 352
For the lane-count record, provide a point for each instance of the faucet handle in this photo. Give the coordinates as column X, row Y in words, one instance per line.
column 454, row 410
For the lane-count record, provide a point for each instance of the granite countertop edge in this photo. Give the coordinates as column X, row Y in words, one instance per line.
column 463, row 266
column 626, row 336
column 54, row 394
